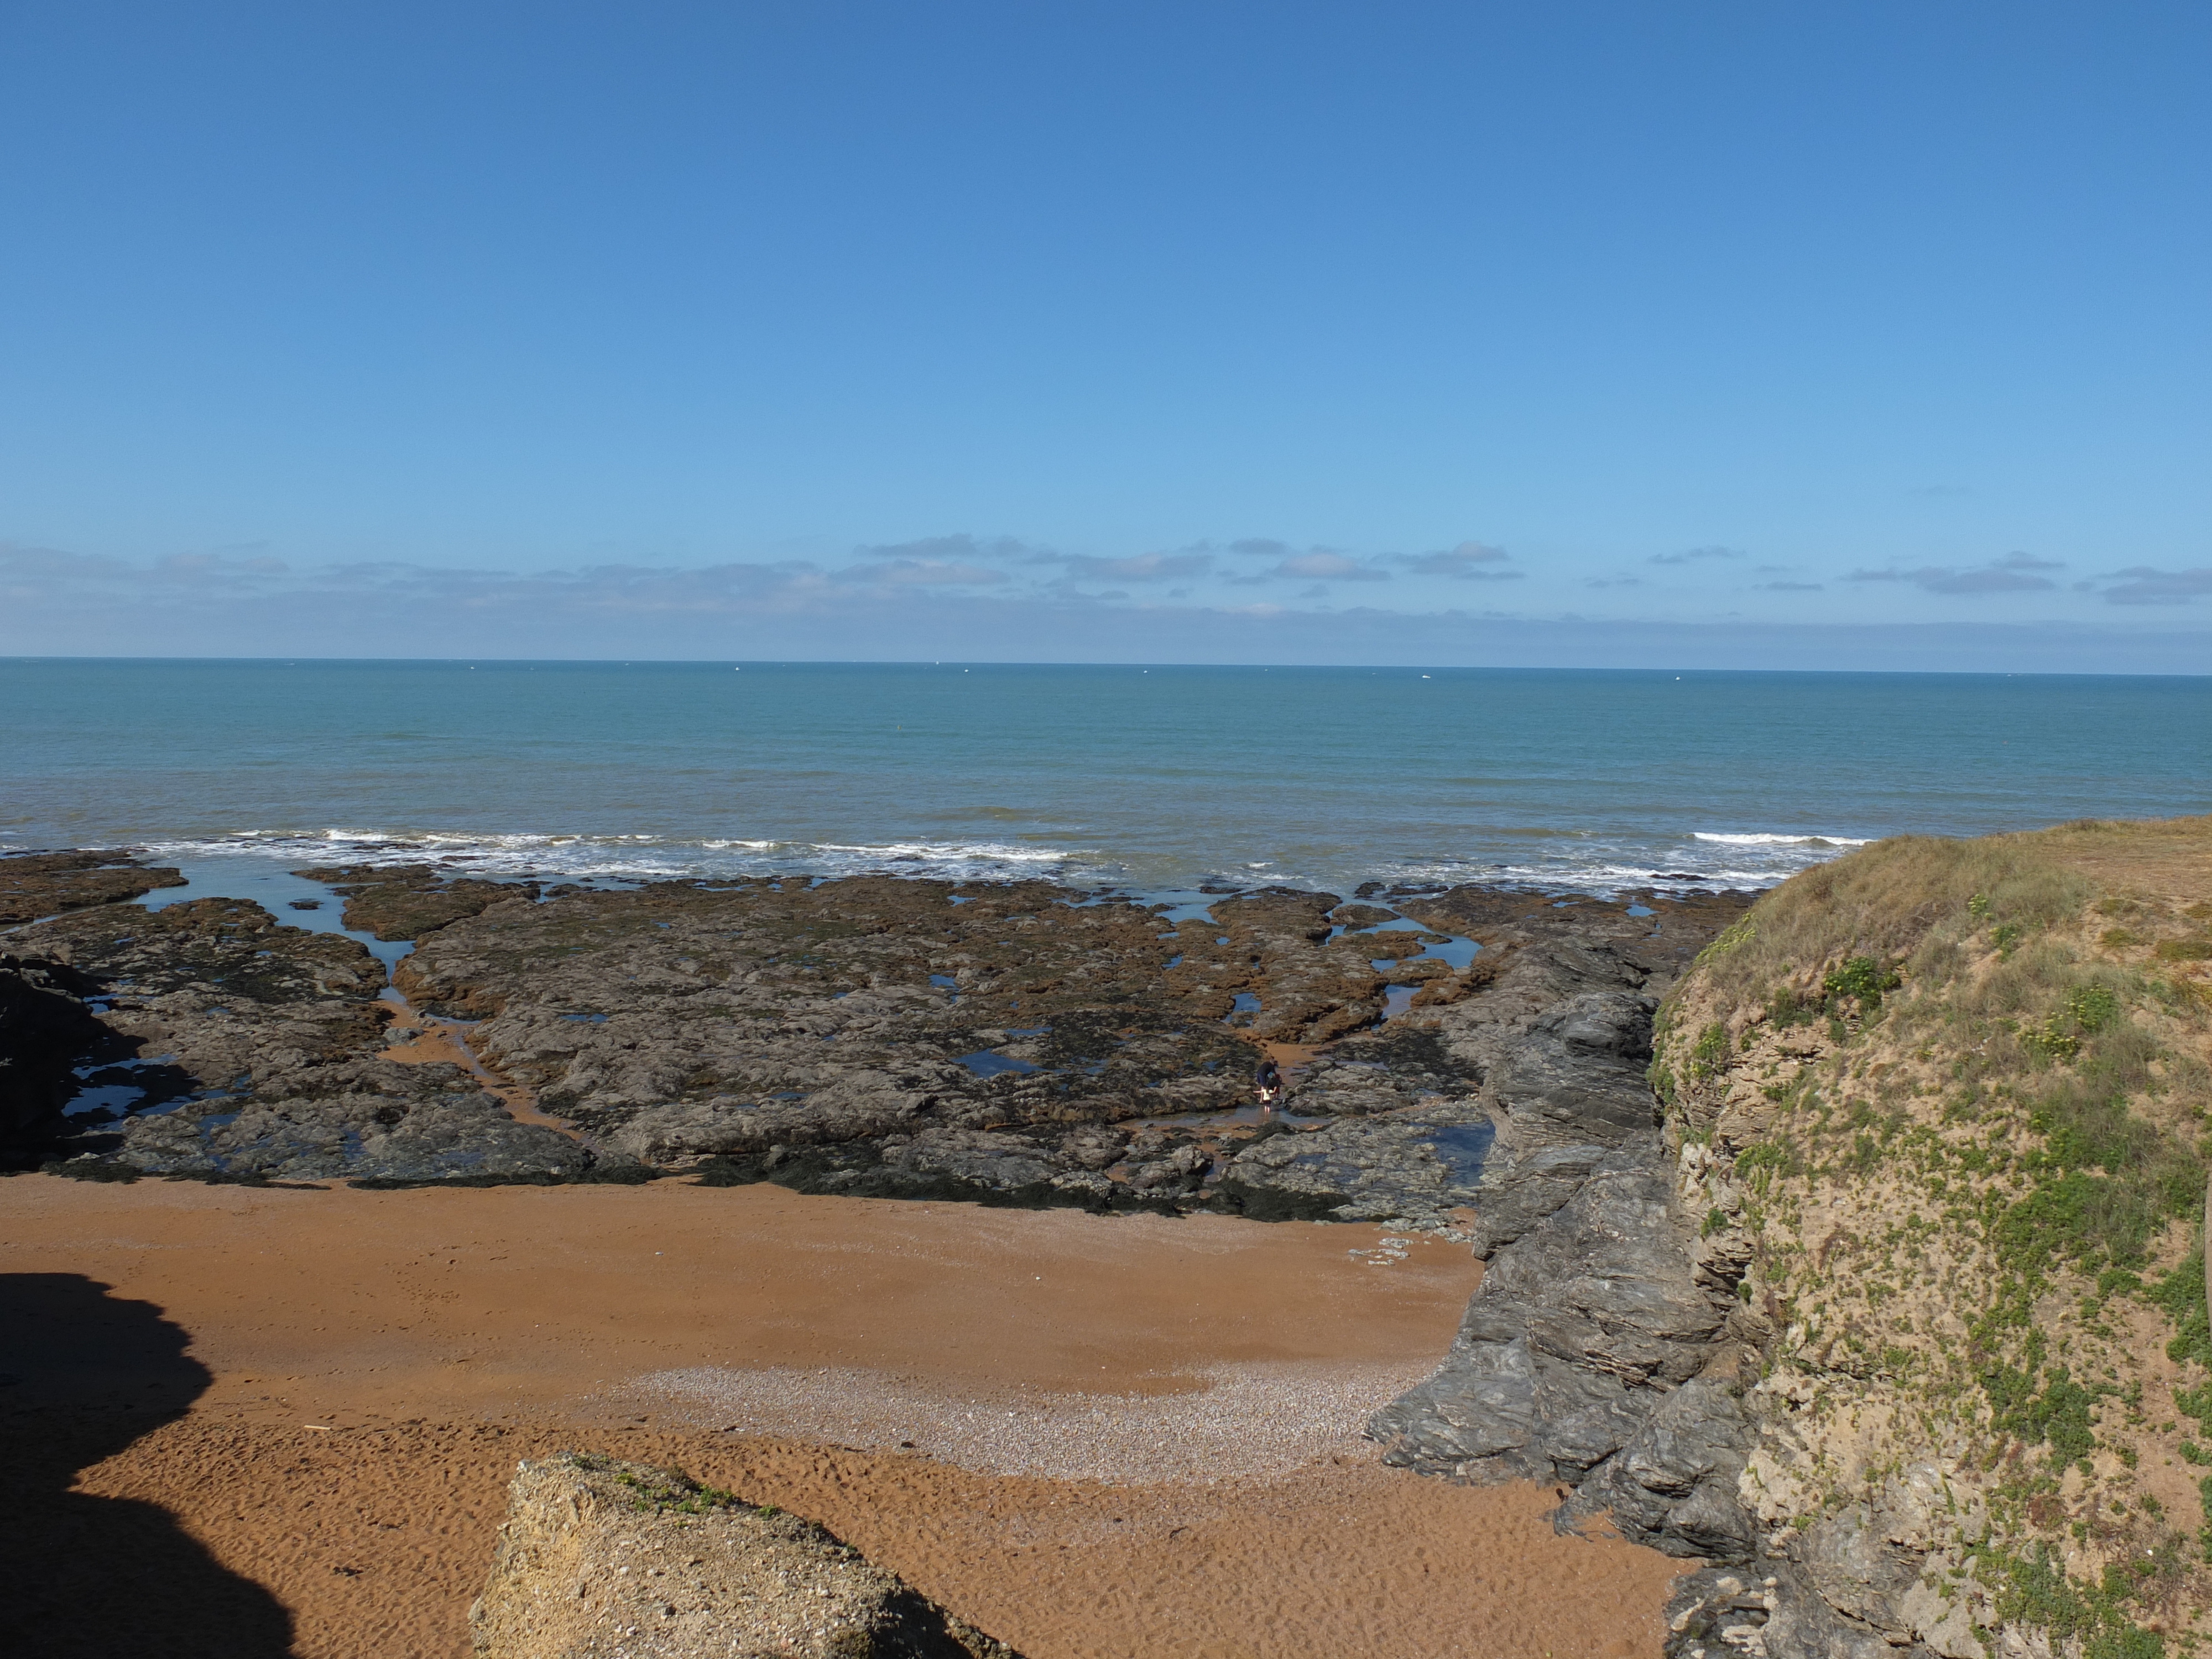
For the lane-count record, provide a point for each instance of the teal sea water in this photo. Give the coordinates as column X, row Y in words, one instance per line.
column 1161, row 778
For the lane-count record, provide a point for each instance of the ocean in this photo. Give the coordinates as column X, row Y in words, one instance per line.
column 1158, row 778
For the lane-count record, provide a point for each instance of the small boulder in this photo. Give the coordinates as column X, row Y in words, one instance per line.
column 599, row 1557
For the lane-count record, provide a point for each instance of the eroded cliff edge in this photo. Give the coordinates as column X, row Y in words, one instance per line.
column 1898, row 1317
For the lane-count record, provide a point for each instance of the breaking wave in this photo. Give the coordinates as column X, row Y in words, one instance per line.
column 1579, row 861
column 1766, row 840
column 641, row 857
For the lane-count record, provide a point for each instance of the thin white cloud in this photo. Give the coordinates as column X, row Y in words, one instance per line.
column 1324, row 566
column 1143, row 568
column 961, row 549
column 1316, row 564
column 1472, row 562
column 42, row 565
column 1699, row 554
column 2141, row 585
column 954, row 593
column 2015, row 573
column 55, row 603
column 920, row 573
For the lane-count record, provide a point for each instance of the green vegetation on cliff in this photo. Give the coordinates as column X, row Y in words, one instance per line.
column 1949, row 1100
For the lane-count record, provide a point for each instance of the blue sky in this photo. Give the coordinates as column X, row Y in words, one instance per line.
column 1715, row 332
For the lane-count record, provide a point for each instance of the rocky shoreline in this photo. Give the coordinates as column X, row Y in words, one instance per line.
column 1015, row 1044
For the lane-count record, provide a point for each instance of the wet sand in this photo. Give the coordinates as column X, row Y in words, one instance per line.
column 1091, row 1436
column 427, row 1041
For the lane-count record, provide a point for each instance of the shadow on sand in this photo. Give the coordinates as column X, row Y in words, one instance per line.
column 83, row 1374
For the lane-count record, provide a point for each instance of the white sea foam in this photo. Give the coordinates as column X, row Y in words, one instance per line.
column 1605, row 864
column 1589, row 861
column 1765, row 840
column 642, row 857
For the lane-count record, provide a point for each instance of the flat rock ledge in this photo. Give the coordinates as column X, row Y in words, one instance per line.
column 599, row 1558
column 1007, row 1043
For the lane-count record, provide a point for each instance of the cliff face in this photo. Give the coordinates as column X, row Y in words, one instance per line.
column 1937, row 1113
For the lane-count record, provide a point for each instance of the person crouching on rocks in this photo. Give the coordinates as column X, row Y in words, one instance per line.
column 1269, row 1083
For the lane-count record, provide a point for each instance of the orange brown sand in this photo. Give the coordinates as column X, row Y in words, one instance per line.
column 1132, row 1436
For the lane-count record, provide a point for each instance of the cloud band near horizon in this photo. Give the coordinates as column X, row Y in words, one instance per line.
column 1003, row 600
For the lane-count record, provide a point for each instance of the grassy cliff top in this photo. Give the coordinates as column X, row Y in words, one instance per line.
column 1945, row 1105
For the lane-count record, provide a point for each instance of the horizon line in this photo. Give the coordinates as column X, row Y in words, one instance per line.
column 1137, row 664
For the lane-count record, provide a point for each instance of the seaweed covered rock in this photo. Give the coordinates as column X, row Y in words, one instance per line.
column 599, row 1557
column 1015, row 1043
column 931, row 1039
column 209, row 947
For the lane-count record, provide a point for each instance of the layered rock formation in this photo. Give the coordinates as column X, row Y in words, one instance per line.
column 1595, row 1353
column 599, row 1557
column 1618, row 1349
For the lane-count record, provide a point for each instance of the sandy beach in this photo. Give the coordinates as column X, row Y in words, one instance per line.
column 1091, row 1436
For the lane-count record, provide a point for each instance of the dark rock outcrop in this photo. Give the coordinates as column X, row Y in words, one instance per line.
column 921, row 1037
column 1673, row 1484
column 216, row 1042
column 35, row 885
column 1578, row 1361
column 1605, row 1349
column 1009, row 1043
column 1566, row 1093
column 1595, row 1354
column 45, row 1028
column 370, row 1121
column 406, row 901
